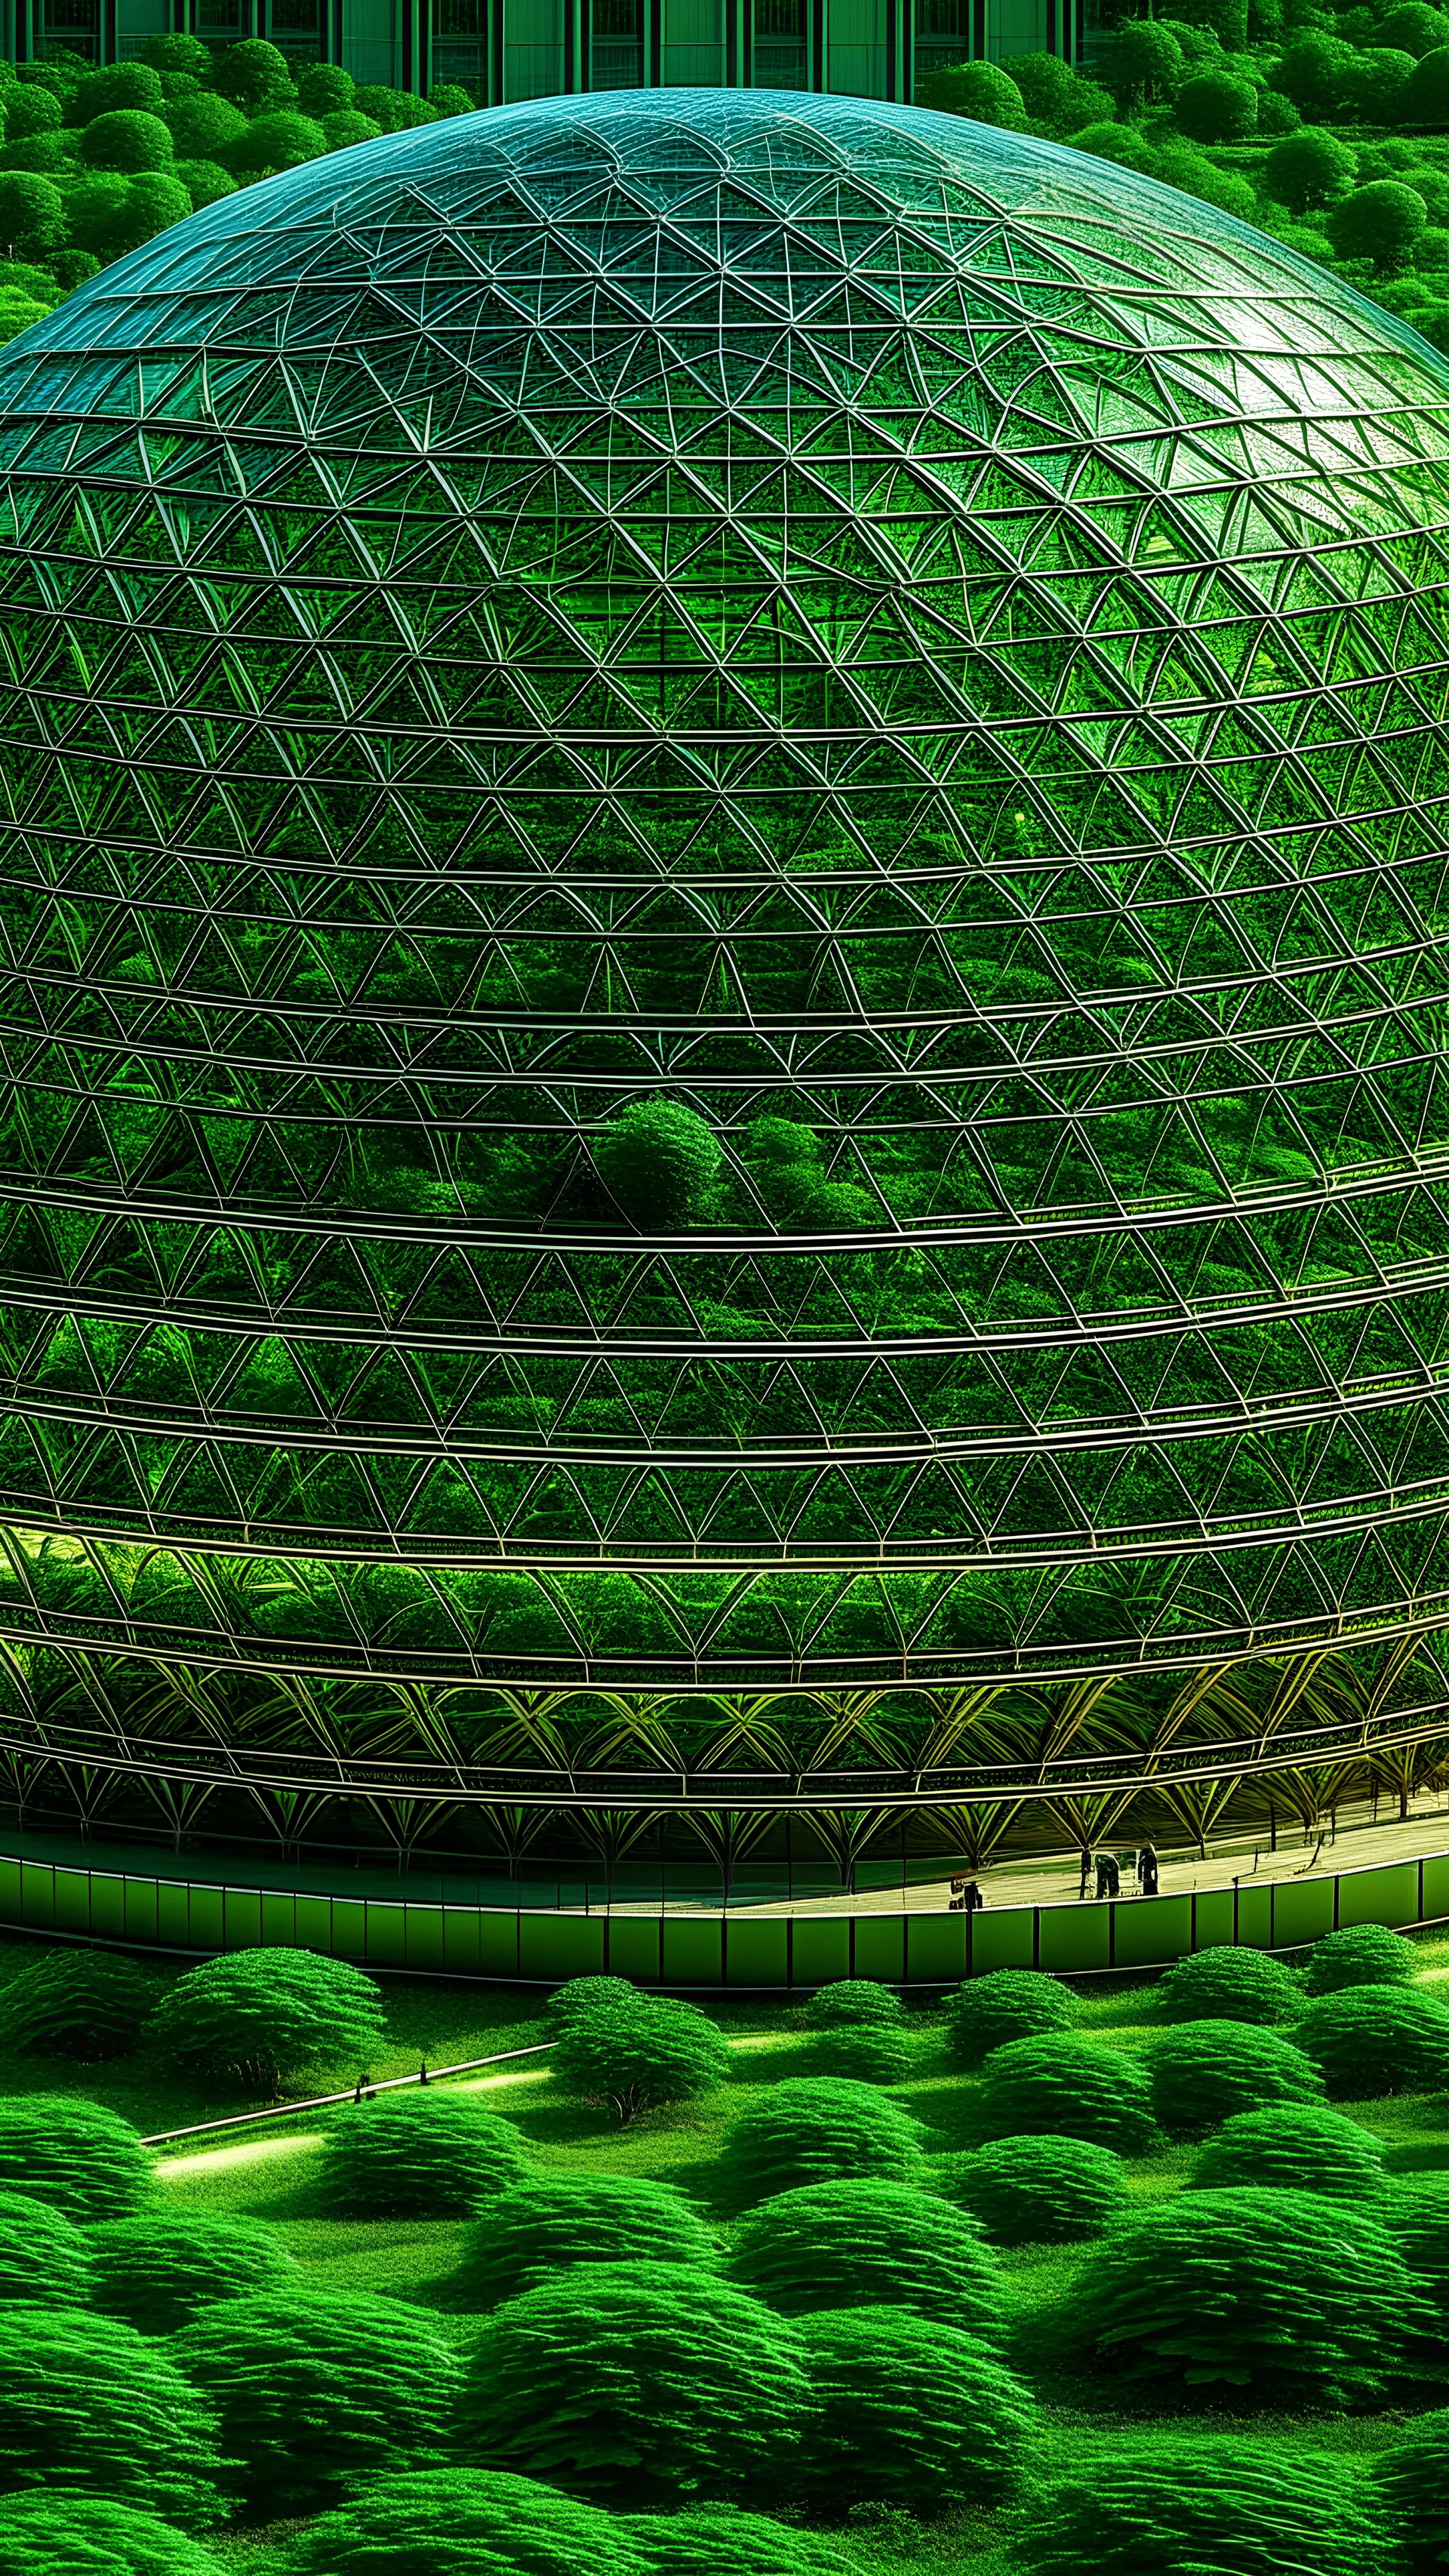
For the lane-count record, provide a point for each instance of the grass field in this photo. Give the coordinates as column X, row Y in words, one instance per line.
column 271, row 2174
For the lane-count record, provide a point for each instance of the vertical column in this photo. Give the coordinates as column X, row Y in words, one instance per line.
column 816, row 41
column 653, row 33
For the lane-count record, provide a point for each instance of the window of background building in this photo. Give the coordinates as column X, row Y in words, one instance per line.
column 459, row 38
column 296, row 26
column 782, row 53
column 74, row 25
column 943, row 34
column 617, row 31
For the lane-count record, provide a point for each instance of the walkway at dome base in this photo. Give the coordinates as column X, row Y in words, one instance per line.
column 385, row 1928
column 724, row 942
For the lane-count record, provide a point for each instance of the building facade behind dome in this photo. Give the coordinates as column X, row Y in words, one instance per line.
column 508, row 50
column 725, row 981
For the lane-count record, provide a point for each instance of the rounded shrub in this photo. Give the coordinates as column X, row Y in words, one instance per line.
column 466, row 2522
column 161, row 2270
column 1416, row 2215
column 582, row 1994
column 871, row 2053
column 120, row 86
column 82, row 2004
column 1370, row 2040
column 818, row 2128
column 537, row 2228
column 205, row 128
column 1374, row 90
column 910, row 2412
column 314, row 2389
column 178, row 54
column 31, row 111
column 1068, row 2089
column 32, row 212
column 418, row 2155
column 1268, row 2294
column 1365, row 1954
column 88, row 2407
column 638, row 2055
column 1314, row 73
column 659, row 1162
column 1277, row 115
column 74, row 2155
column 643, row 2381
column 69, row 2535
column 263, row 2015
column 43, row 156
column 325, row 89
column 1381, row 222
column 1011, row 2003
column 1212, row 107
column 1197, row 176
column 256, row 76
column 127, row 139
column 1413, row 2480
column 1121, row 144
column 280, row 140
column 451, row 99
column 1209, row 2070
column 853, row 2003
column 205, row 182
column 1413, row 28
column 346, row 127
column 1240, row 2508
column 869, row 2244
column 1146, row 61
column 1292, row 2147
column 397, row 111
column 982, row 91
column 1037, row 2191
column 1229, row 1985
column 1309, row 169
column 44, row 2257
column 722, row 2540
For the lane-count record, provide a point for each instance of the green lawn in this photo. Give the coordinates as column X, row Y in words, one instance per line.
column 270, row 2173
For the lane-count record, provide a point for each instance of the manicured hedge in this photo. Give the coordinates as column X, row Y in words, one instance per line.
column 1364, row 1954
column 1068, row 2088
column 1210, row 2507
column 262, row 2016
column 44, row 2256
column 77, row 2156
column 1037, row 2191
column 88, row 2407
column 818, row 2129
column 865, row 2244
column 1224, row 1984
column 1010, row 2003
column 466, row 2522
column 911, row 2412
column 1210, row 2070
column 867, row 2053
column 553, row 2221
column 1293, row 2147
column 853, row 2003
column 161, row 2269
column 424, row 2154
column 1371, row 2040
column 82, row 2004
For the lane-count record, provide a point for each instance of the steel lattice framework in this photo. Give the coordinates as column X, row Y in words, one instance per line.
column 923, row 651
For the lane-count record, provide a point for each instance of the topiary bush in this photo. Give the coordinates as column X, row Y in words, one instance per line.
column 87, row 2406
column 1416, row 2215
column 346, row 127
column 1309, row 169
column 640, row 2054
column 1212, row 107
column 1292, row 2147
column 1067, row 2088
column 325, row 89
column 1229, row 1985
column 1037, row 2191
column 397, row 111
column 581, row 1994
column 1208, row 2071
column 982, row 91
column 1180, row 2508
column 127, row 140
column 44, row 2256
column 552, row 2223
column 1365, row 1954
column 818, row 2128
column 646, row 2381
column 1370, row 2040
column 1146, row 61
column 659, row 1162
column 853, row 2003
column 721, row 2540
column 256, row 76
column 466, row 2522
column 205, row 182
column 264, row 2015
column 1276, row 2294
column 74, row 2155
column 66, row 2535
column 282, row 140
column 1120, row 144
column 205, row 128
column 871, row 2054
column 83, row 2004
column 418, row 2155
column 161, row 2270
column 911, row 2413
column 1382, row 223
column 1011, row 2003
column 315, row 2388
column 1413, row 2481
column 32, row 212
column 869, row 2244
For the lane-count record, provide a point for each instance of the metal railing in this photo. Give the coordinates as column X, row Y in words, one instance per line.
column 359, row 2092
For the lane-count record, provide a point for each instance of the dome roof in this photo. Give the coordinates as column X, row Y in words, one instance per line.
column 725, row 917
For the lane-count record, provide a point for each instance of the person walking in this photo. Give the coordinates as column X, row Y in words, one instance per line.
column 1147, row 1870
column 1084, row 1858
column 1106, row 1872
column 1114, row 1876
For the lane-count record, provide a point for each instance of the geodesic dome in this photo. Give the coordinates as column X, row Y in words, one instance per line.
column 724, row 864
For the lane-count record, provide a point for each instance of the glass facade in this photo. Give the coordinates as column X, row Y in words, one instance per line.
column 921, row 656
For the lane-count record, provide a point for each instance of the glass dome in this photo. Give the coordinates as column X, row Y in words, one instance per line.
column 726, row 977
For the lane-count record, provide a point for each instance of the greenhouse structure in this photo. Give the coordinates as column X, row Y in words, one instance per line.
column 725, row 1096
